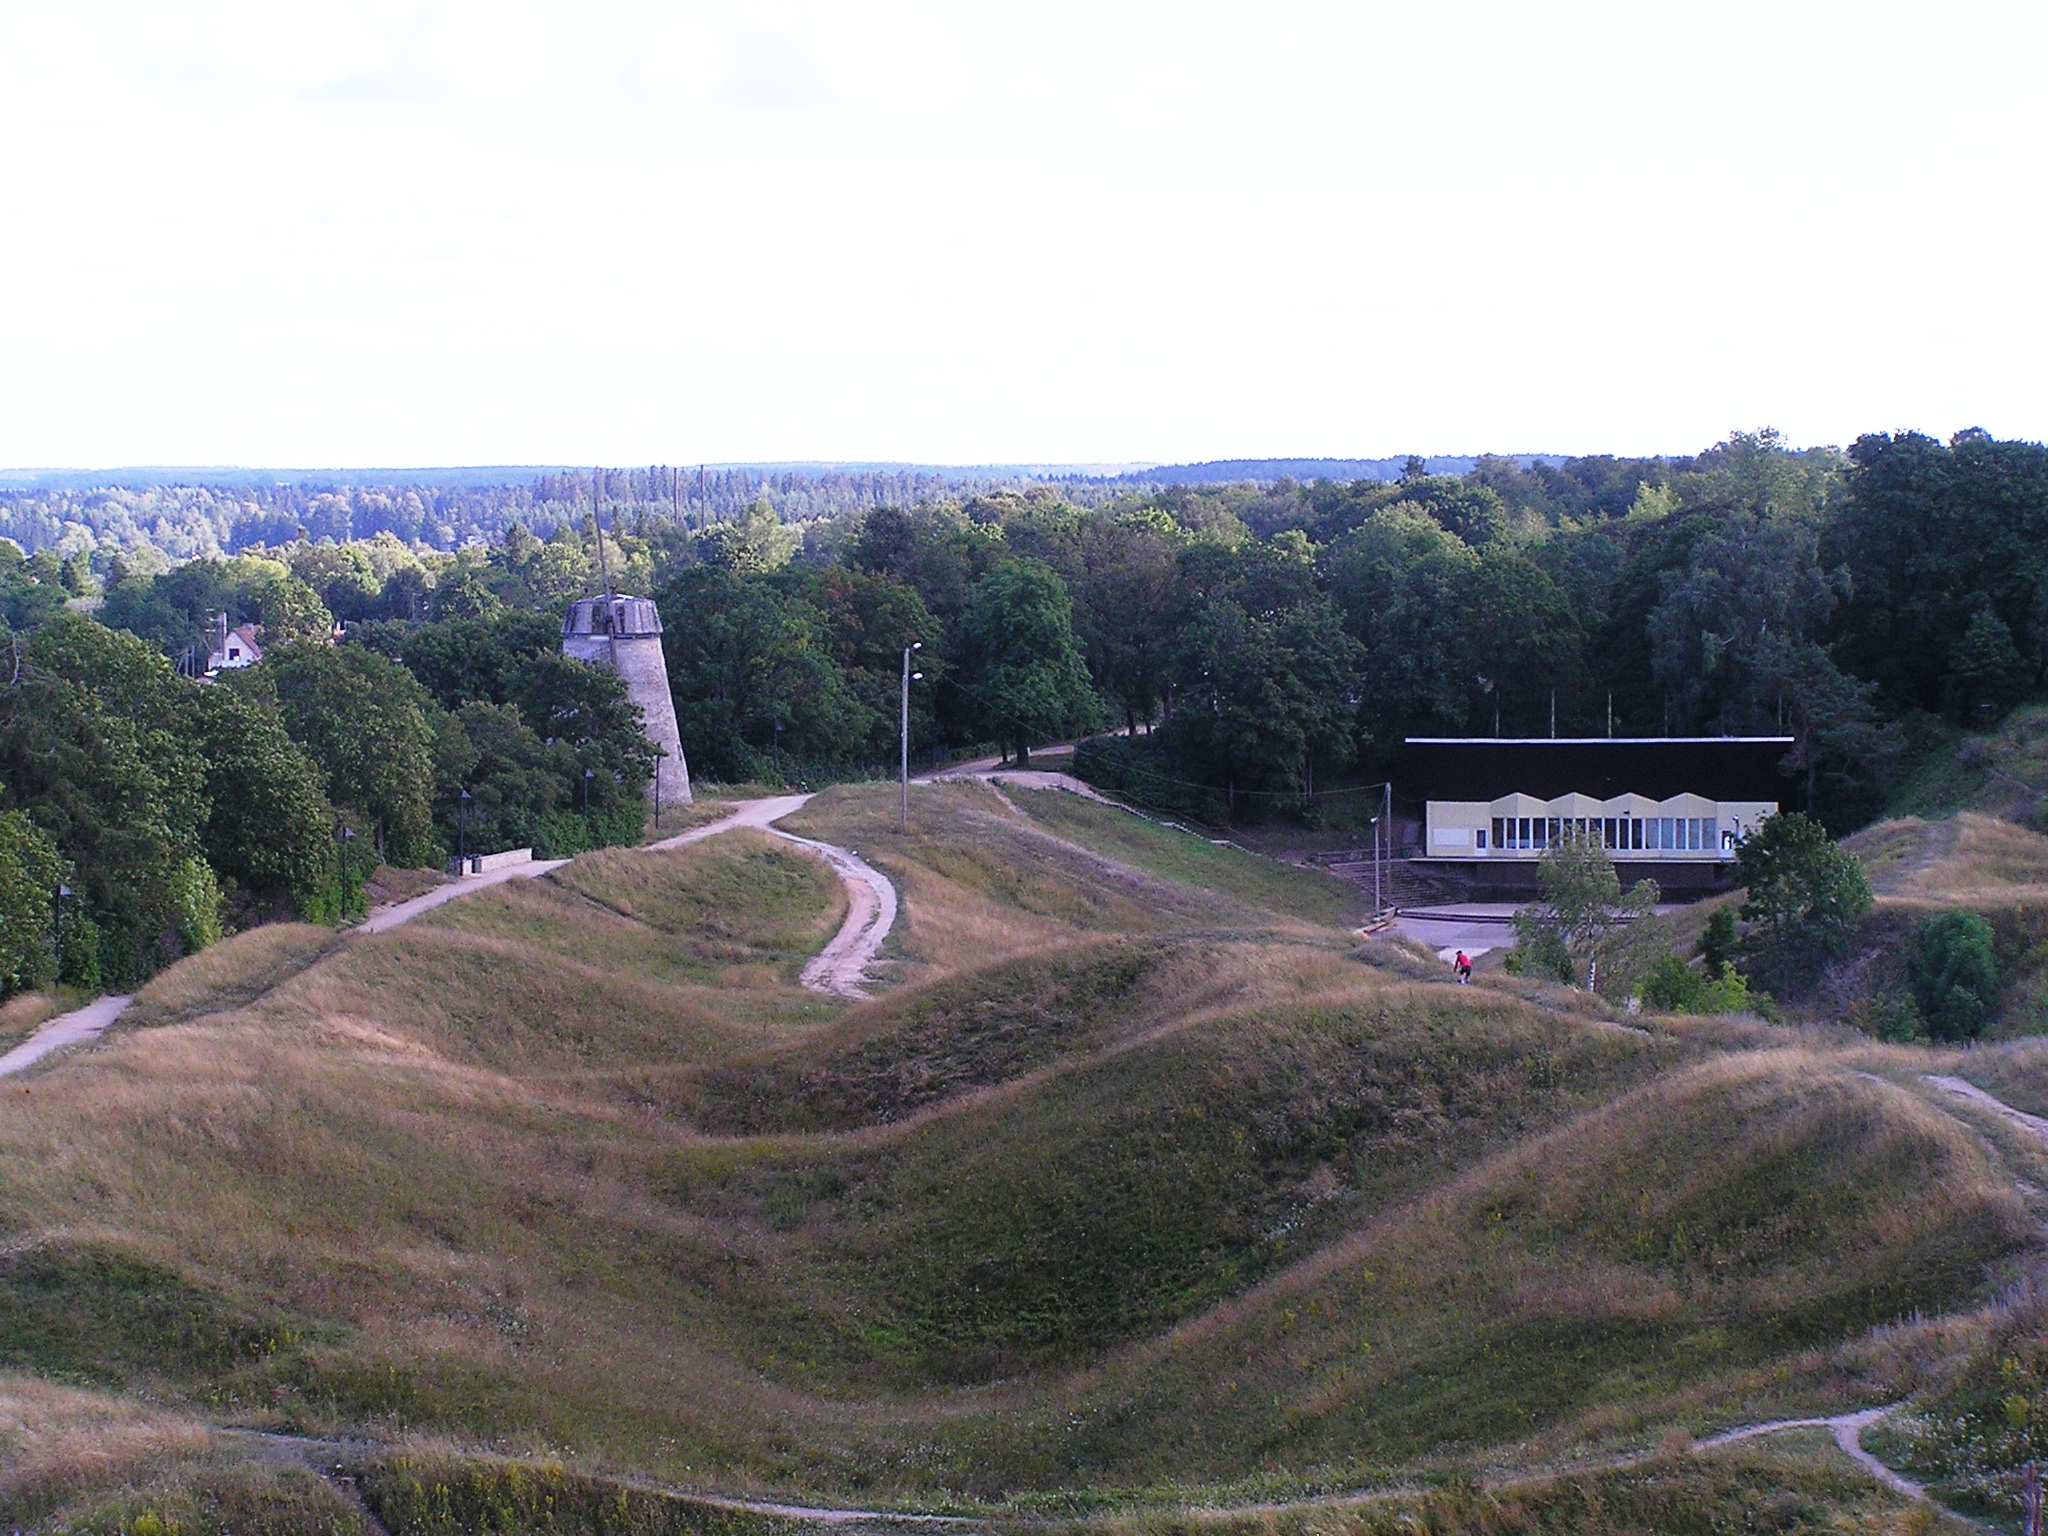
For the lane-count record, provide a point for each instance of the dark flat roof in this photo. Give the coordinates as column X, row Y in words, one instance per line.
column 1582, row 741
column 1487, row 767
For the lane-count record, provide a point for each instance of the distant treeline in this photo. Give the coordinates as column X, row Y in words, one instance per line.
column 1265, row 648
column 187, row 521
column 217, row 516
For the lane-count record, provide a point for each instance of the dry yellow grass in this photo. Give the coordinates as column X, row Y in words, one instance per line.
column 1969, row 860
column 20, row 1014
column 74, row 1461
column 458, row 1177
column 233, row 972
column 55, row 1440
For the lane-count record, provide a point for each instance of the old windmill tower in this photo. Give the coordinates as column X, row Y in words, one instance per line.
column 624, row 634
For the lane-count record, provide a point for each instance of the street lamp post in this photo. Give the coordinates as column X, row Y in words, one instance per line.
column 588, row 775
column 462, row 834
column 903, row 768
column 658, row 755
column 1376, row 906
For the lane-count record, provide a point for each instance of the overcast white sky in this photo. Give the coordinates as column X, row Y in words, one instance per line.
column 429, row 232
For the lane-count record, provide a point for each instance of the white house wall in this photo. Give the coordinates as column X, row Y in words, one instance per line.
column 1464, row 829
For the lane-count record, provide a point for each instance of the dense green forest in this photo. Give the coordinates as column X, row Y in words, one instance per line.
column 1265, row 646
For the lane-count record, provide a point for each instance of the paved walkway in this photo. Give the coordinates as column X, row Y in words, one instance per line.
column 839, row 968
column 1473, row 926
column 387, row 918
column 74, row 1028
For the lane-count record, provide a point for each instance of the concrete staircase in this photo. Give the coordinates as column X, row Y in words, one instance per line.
column 1403, row 884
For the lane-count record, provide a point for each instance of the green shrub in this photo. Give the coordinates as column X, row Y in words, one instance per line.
column 1540, row 955
column 1894, row 1020
column 1952, row 970
column 1717, row 944
column 196, row 897
column 1805, row 897
column 78, row 958
column 1675, row 987
column 29, row 874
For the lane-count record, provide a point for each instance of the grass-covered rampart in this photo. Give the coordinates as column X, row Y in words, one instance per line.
column 1134, row 1182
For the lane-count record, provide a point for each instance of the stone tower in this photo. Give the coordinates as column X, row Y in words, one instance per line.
column 624, row 633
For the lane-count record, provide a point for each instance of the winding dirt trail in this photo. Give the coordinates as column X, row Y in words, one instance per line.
column 840, row 968
column 328, row 1458
column 2019, row 1119
column 1847, row 1429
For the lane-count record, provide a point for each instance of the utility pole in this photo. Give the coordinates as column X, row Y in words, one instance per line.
column 1378, row 906
column 703, row 499
column 904, row 763
column 1387, row 812
column 675, row 477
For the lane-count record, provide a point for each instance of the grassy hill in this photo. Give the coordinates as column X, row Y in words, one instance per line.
column 1141, row 1186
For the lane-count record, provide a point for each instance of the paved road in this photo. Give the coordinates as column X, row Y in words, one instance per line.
column 839, row 968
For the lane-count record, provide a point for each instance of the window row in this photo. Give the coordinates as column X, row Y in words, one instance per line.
column 1647, row 834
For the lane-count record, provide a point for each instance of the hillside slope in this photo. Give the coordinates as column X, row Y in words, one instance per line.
column 1140, row 1181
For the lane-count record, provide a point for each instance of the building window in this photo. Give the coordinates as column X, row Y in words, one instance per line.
column 1498, row 827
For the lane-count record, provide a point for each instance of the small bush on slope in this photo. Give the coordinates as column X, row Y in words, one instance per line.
column 1953, row 973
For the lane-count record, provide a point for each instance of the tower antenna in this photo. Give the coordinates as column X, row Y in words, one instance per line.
column 597, row 522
